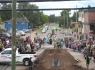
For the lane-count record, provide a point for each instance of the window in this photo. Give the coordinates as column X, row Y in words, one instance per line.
column 7, row 52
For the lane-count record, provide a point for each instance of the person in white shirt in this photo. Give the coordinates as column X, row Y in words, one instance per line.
column 37, row 45
column 7, row 41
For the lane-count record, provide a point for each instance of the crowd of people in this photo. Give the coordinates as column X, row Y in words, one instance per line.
column 86, row 47
column 4, row 43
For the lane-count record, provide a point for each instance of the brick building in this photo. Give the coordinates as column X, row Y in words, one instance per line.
column 89, row 21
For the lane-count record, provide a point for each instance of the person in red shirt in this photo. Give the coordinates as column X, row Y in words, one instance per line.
column 30, row 41
column 22, row 41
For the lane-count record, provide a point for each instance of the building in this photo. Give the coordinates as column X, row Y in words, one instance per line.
column 87, row 18
column 21, row 23
column 2, row 25
column 81, row 21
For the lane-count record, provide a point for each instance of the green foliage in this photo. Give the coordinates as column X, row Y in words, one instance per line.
column 40, row 26
column 0, row 30
column 64, row 18
column 73, row 18
column 6, row 15
column 89, row 6
column 0, row 19
column 43, row 18
column 52, row 18
column 33, row 16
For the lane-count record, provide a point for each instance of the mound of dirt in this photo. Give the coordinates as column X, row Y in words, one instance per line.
column 67, row 62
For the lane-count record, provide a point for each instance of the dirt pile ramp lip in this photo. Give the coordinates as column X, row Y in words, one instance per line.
column 67, row 61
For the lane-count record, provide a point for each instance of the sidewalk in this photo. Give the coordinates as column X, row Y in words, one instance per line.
column 80, row 57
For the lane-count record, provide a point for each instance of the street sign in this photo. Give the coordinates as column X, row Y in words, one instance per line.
column 8, row 1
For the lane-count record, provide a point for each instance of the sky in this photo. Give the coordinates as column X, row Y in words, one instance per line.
column 63, row 4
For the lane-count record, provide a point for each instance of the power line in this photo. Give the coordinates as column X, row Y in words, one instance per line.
column 47, row 9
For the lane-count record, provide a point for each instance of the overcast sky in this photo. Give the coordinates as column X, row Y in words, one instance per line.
column 63, row 4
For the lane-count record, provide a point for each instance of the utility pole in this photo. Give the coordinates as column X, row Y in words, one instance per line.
column 64, row 20
column 13, row 34
column 76, row 14
column 31, row 29
column 67, row 19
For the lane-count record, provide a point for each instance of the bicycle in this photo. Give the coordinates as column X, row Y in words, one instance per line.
column 52, row 36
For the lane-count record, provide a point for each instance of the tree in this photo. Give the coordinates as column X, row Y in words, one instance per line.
column 6, row 15
column 32, row 16
column 43, row 18
column 89, row 6
column 73, row 18
column 51, row 18
column 65, row 18
column 0, row 19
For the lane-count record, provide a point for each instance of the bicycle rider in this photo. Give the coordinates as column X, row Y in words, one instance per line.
column 53, row 32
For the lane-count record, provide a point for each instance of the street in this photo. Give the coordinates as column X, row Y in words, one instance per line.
column 75, row 54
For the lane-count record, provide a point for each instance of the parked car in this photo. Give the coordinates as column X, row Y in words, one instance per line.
column 26, row 30
column 17, row 34
column 46, row 27
column 22, row 33
column 6, row 34
column 2, row 35
column 6, row 57
column 43, row 31
column 62, row 32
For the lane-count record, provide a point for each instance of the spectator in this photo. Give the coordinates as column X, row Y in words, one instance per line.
column 30, row 63
column 37, row 45
column 59, row 43
column 50, row 41
column 87, row 62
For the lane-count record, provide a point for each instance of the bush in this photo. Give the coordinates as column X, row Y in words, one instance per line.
column 40, row 26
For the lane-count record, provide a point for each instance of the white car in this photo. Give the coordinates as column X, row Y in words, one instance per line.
column 46, row 28
column 43, row 31
column 26, row 30
column 6, row 56
column 18, row 34
column 22, row 33
column 6, row 34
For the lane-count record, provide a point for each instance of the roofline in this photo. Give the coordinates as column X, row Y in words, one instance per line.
column 16, row 21
column 88, row 10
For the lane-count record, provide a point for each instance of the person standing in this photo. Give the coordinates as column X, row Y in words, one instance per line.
column 59, row 43
column 87, row 62
column 30, row 64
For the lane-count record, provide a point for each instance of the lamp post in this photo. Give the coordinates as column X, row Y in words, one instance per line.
column 13, row 34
